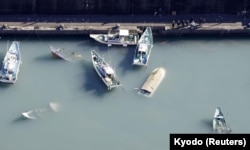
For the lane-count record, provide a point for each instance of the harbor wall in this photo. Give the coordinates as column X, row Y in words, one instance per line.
column 122, row 7
column 158, row 29
column 165, row 25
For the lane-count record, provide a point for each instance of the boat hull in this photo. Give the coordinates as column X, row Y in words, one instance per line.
column 57, row 53
column 219, row 123
column 99, row 63
column 29, row 115
column 111, row 39
column 11, row 64
column 152, row 82
column 143, row 48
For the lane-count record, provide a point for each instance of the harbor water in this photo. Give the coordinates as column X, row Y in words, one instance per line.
column 201, row 74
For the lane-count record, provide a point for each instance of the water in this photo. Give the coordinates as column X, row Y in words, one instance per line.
column 201, row 75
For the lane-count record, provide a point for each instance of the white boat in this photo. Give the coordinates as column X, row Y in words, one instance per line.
column 105, row 71
column 117, row 37
column 143, row 48
column 219, row 123
column 39, row 112
column 152, row 82
column 31, row 114
column 11, row 64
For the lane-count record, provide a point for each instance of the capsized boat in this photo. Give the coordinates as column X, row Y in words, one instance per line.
column 219, row 122
column 105, row 71
column 152, row 82
column 143, row 48
column 61, row 53
column 39, row 112
column 11, row 64
column 117, row 37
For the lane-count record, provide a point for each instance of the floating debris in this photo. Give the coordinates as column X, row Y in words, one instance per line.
column 39, row 112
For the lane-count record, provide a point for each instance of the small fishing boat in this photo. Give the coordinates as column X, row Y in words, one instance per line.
column 11, row 64
column 117, row 37
column 58, row 53
column 152, row 82
column 39, row 112
column 219, row 122
column 143, row 48
column 104, row 71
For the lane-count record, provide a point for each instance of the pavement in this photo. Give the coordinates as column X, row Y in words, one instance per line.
column 103, row 22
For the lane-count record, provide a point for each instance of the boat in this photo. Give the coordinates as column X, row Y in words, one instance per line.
column 219, row 122
column 152, row 82
column 105, row 71
column 117, row 37
column 143, row 48
column 58, row 53
column 31, row 114
column 11, row 64
column 39, row 112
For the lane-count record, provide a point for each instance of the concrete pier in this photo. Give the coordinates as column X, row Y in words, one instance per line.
column 85, row 25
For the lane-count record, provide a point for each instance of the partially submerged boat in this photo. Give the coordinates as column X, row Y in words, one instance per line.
column 219, row 122
column 105, row 71
column 61, row 53
column 152, row 82
column 11, row 64
column 117, row 37
column 39, row 112
column 143, row 48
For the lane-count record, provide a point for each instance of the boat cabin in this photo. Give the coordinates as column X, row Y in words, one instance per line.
column 123, row 32
column 142, row 50
column 108, row 71
column 119, row 35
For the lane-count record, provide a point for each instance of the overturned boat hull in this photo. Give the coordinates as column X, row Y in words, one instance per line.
column 152, row 82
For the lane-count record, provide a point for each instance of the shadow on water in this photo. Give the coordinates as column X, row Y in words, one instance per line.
column 48, row 57
column 92, row 81
column 20, row 119
column 208, row 124
column 5, row 85
column 127, row 63
column 87, row 41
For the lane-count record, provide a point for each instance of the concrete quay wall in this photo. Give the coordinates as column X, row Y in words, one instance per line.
column 159, row 29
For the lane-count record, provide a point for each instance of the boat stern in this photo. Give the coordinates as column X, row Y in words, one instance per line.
column 7, row 79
